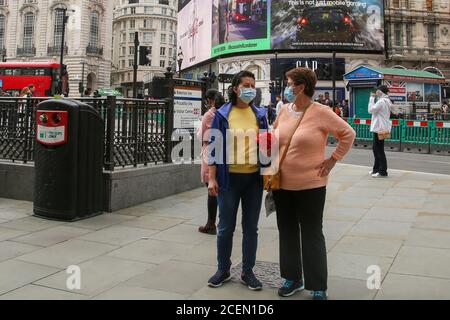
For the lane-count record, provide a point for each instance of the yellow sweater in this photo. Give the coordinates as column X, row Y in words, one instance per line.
column 243, row 125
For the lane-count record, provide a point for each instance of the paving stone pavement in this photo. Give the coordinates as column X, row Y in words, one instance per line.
column 153, row 251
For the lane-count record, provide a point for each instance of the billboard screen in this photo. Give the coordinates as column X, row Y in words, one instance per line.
column 210, row 28
column 194, row 31
column 327, row 24
column 240, row 25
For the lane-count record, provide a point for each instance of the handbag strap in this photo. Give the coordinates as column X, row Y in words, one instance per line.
column 283, row 157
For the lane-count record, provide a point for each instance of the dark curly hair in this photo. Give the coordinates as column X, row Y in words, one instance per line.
column 237, row 80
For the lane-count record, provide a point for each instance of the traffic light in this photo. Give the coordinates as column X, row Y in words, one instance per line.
column 143, row 56
column 327, row 70
column 271, row 87
column 80, row 87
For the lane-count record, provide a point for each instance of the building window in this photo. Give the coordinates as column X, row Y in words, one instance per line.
column 162, row 63
column 163, row 38
column 131, row 50
column 431, row 35
column 132, row 24
column 162, row 51
column 2, row 31
column 396, row 3
column 398, row 34
column 148, row 36
column 429, row 5
column 409, row 34
column 28, row 30
column 93, row 34
column 57, row 35
column 163, row 25
column 148, row 23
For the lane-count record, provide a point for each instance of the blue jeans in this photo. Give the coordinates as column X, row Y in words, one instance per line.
column 248, row 189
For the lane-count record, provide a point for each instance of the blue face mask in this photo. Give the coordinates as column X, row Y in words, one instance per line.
column 289, row 94
column 247, row 95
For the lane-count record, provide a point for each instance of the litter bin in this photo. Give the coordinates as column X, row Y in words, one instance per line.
column 68, row 161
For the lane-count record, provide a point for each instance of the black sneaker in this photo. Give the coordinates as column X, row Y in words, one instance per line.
column 251, row 281
column 219, row 279
column 320, row 295
column 290, row 288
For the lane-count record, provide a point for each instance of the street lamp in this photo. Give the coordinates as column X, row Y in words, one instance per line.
column 180, row 61
column 65, row 19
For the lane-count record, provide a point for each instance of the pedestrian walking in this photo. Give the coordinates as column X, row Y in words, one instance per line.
column 279, row 104
column 381, row 127
column 345, row 109
column 235, row 181
column 304, row 126
column 214, row 101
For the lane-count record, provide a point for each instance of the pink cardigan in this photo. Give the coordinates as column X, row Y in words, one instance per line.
column 307, row 150
column 202, row 135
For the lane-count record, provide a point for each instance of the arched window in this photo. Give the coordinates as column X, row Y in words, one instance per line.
column 2, row 31
column 94, row 30
column 434, row 70
column 58, row 27
column 28, row 30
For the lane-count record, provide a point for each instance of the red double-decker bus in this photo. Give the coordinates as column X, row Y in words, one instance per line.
column 14, row 76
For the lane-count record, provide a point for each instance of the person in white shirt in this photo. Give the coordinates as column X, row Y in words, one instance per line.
column 381, row 112
column 279, row 104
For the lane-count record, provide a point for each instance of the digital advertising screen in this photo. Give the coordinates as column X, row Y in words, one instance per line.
column 240, row 25
column 212, row 28
column 327, row 24
column 194, row 31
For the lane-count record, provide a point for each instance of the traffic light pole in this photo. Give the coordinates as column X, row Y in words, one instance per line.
column 333, row 75
column 61, row 71
column 135, row 66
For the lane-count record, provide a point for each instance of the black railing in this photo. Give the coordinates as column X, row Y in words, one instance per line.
column 26, row 51
column 94, row 50
column 56, row 50
column 137, row 132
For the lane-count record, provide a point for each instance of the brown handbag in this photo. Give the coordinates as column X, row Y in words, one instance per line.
column 384, row 135
column 273, row 181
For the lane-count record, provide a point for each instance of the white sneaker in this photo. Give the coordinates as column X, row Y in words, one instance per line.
column 371, row 172
column 377, row 175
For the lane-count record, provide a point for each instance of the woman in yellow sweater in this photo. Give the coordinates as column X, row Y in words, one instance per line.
column 235, row 178
column 304, row 175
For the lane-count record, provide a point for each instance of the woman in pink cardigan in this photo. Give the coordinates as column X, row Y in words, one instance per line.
column 304, row 176
column 214, row 101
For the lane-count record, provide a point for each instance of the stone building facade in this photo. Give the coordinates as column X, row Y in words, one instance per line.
column 31, row 30
column 156, row 22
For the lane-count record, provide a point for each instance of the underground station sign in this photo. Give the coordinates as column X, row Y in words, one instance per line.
column 52, row 127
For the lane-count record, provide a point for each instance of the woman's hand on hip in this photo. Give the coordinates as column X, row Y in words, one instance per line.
column 326, row 167
column 213, row 188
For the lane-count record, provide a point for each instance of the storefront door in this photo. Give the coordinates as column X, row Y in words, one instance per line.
column 361, row 102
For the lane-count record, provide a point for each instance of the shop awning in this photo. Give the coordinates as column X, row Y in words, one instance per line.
column 377, row 73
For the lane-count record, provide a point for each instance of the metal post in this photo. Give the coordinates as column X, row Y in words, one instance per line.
column 275, row 70
column 65, row 18
column 110, row 132
column 333, row 74
column 135, row 66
